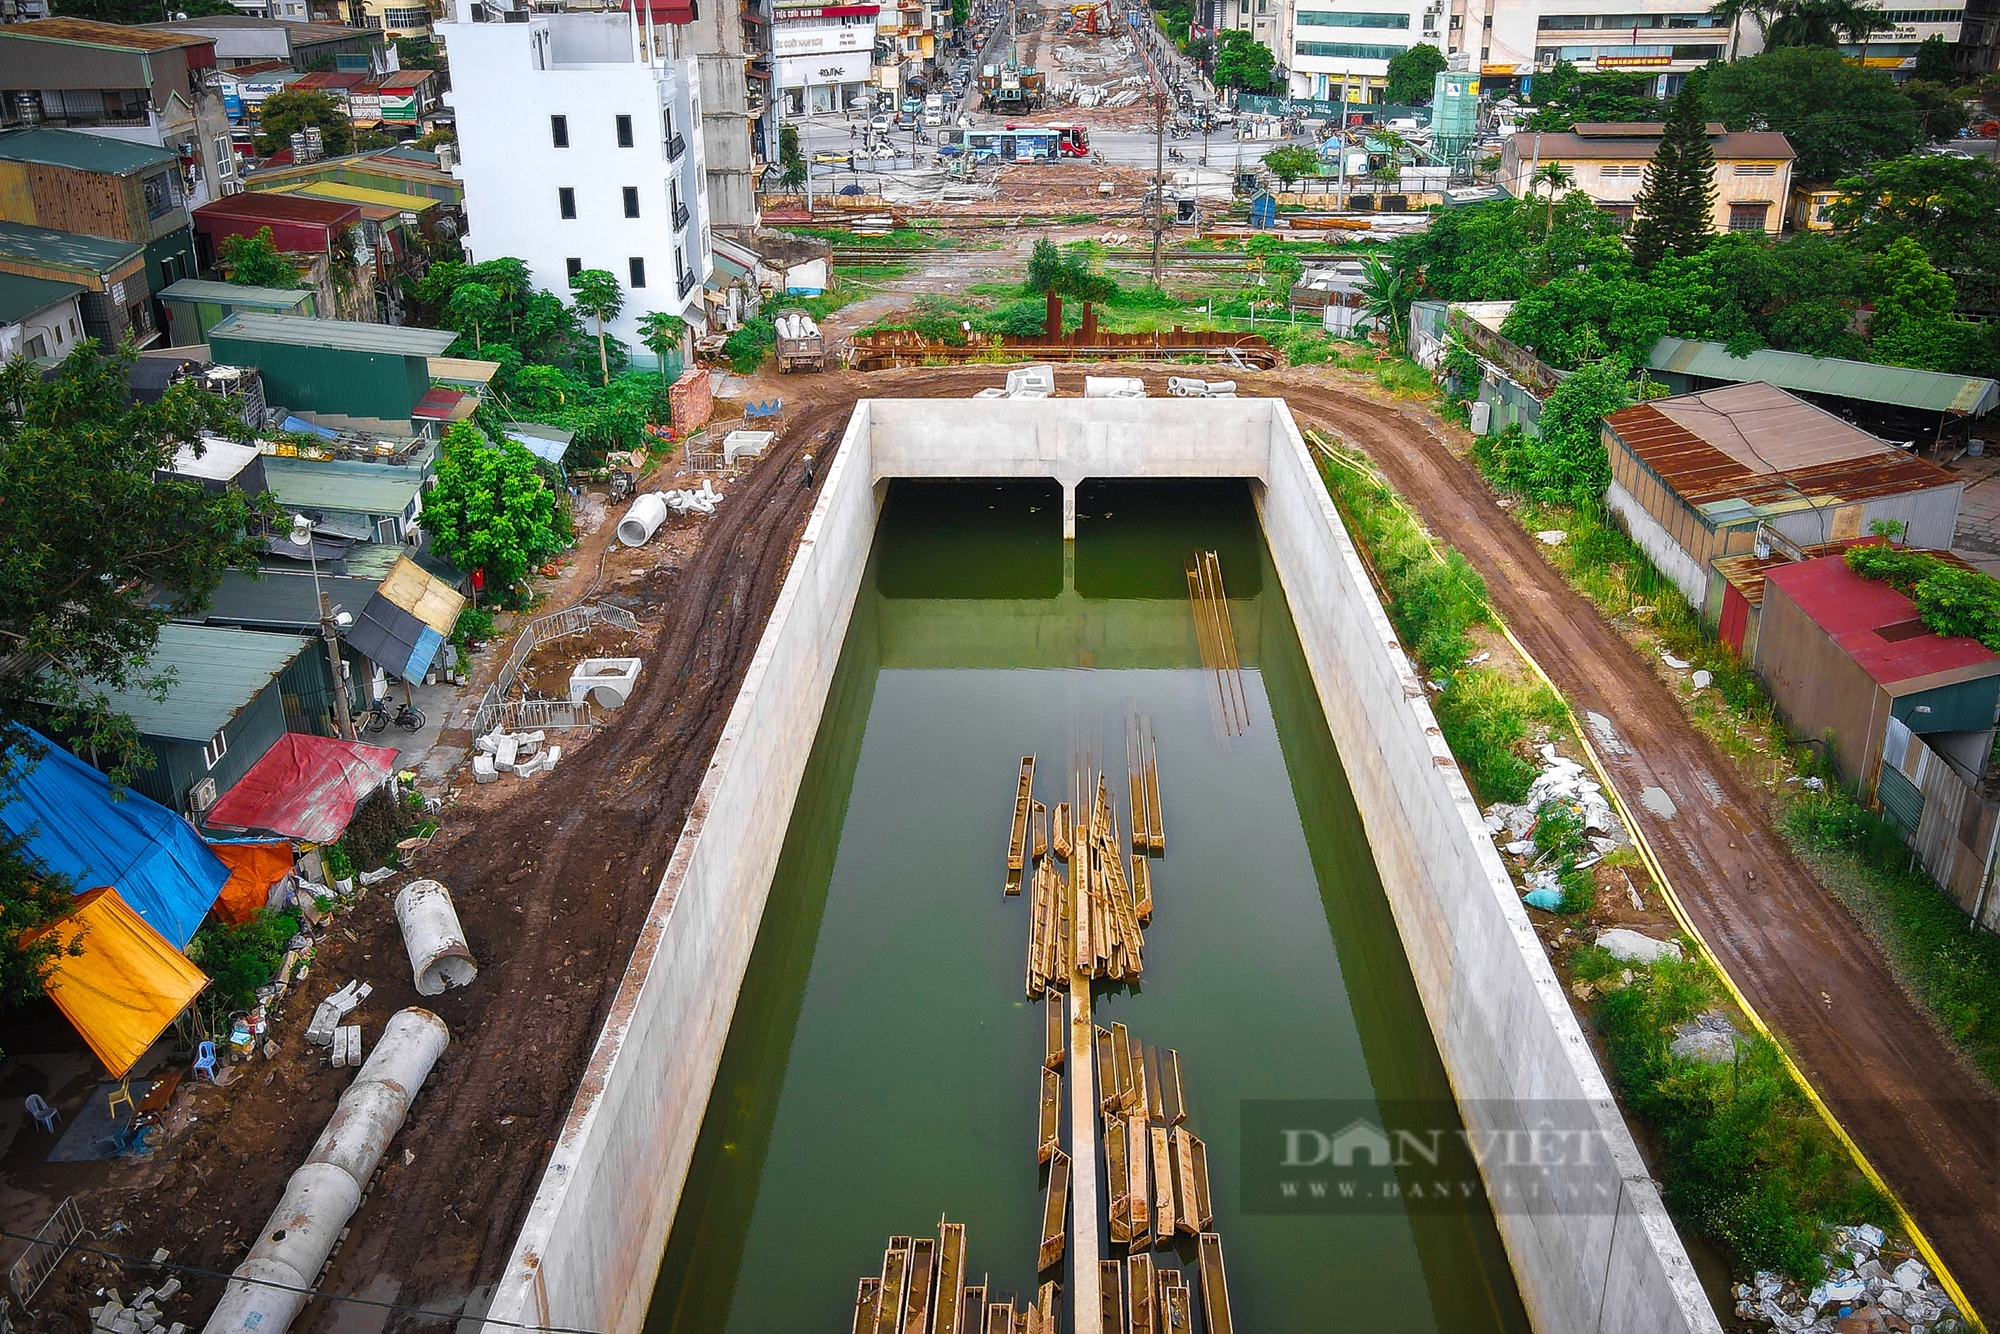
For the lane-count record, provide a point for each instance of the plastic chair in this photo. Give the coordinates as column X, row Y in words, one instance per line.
column 204, row 1061
column 45, row 1115
column 123, row 1093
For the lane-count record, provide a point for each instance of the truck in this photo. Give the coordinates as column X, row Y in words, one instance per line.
column 801, row 346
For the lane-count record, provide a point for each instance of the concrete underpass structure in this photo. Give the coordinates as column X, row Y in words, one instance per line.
column 1607, row 1259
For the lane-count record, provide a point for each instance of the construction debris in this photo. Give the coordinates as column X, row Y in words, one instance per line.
column 1874, row 1282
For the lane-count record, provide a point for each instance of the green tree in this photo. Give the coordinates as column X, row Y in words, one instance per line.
column 416, row 53
column 1291, row 162
column 1837, row 116
column 473, row 306
column 1949, row 205
column 1671, row 216
column 1912, row 324
column 1562, row 97
column 1934, row 63
column 1243, row 62
column 662, row 333
column 1413, row 74
column 1045, row 266
column 256, row 261
column 1941, row 113
column 1735, row 11
column 960, row 11
column 1555, row 178
column 1387, row 289
column 1568, row 461
column 1824, row 23
column 1798, row 295
column 490, row 508
column 101, row 552
column 284, row 114
column 598, row 295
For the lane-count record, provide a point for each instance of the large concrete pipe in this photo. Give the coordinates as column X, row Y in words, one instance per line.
column 641, row 521
column 269, row 1287
column 439, row 957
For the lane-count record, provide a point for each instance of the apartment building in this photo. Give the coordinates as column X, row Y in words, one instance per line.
column 827, row 54
column 731, row 45
column 138, row 85
column 580, row 147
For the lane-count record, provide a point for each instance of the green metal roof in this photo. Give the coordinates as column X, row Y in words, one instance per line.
column 43, row 245
column 216, row 671
column 21, row 297
column 358, row 488
column 1930, row 391
column 85, row 152
column 233, row 294
column 339, row 335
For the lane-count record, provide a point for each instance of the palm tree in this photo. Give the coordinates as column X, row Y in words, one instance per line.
column 1558, row 178
column 597, row 295
column 1387, row 292
column 1761, row 10
column 662, row 334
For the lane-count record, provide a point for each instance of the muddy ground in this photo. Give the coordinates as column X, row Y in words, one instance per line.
column 552, row 883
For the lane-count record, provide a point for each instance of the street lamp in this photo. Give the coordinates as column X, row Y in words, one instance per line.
column 329, row 625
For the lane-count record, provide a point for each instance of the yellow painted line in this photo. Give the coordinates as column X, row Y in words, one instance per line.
column 1644, row 846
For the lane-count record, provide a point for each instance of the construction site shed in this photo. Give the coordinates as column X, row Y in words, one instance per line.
column 1697, row 476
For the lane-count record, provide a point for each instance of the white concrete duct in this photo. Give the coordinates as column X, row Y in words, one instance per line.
column 641, row 521
column 439, row 957
column 269, row 1288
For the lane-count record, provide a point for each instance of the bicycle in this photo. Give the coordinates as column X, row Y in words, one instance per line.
column 377, row 719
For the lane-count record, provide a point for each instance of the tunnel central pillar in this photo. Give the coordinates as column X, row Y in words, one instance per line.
column 1069, row 511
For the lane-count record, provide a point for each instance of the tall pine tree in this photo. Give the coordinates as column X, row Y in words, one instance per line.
column 1671, row 214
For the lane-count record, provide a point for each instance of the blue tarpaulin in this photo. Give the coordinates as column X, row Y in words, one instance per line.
column 65, row 812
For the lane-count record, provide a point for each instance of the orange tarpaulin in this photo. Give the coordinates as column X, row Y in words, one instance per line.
column 126, row 987
column 253, row 869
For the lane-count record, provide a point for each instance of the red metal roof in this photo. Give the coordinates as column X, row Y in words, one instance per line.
column 403, row 80
column 330, row 79
column 287, row 208
column 1854, row 611
column 439, row 404
column 305, row 787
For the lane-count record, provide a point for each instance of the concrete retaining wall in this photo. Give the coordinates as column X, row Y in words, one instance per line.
column 595, row 1234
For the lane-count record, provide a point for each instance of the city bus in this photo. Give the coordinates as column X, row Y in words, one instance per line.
column 1029, row 145
column 1071, row 140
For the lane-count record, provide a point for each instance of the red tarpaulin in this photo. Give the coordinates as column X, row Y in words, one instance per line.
column 306, row 787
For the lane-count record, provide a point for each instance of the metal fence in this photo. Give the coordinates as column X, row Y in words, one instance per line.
column 495, row 709
column 52, row 1242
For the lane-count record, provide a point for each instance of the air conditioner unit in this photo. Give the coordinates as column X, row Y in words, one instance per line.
column 1546, row 60
column 202, row 795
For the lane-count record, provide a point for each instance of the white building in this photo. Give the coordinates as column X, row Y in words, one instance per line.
column 826, row 55
column 39, row 317
column 580, row 147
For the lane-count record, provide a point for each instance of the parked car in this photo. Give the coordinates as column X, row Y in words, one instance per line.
column 879, row 125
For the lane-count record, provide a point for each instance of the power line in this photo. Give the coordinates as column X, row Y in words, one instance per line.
column 307, row 1293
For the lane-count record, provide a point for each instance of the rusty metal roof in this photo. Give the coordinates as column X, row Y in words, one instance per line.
column 1732, row 452
column 117, row 36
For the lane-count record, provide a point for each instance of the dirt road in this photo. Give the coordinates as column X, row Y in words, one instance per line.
column 1901, row 1090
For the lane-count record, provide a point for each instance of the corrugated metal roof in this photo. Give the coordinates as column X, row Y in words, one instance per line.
column 340, row 335
column 360, row 488
column 282, row 597
column 1729, row 452
column 44, row 245
column 1741, row 146
column 83, row 152
column 360, row 194
column 22, row 296
column 1854, row 611
column 233, row 294
column 286, row 207
column 1932, row 391
column 217, row 671
column 117, row 36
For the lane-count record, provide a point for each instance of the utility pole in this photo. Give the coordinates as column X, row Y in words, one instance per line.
column 1159, row 180
column 331, row 633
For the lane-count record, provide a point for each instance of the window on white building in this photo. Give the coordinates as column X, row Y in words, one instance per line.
column 225, row 156
column 624, row 131
column 637, row 264
column 572, row 266
column 631, row 201
column 559, row 131
column 566, row 201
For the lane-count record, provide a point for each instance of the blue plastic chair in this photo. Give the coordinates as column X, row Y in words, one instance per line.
column 45, row 1115
column 204, row 1061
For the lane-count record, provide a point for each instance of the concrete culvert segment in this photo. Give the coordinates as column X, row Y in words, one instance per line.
column 641, row 521
column 439, row 957
column 269, row 1287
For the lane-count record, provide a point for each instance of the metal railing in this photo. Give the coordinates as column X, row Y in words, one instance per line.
column 676, row 145
column 494, row 706
column 681, row 216
column 52, row 1242
column 683, row 284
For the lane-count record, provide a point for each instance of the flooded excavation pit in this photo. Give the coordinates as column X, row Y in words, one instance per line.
column 886, row 1065
column 1083, row 926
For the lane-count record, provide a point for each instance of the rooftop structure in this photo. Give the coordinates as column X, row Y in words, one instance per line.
column 111, row 273
column 1752, row 172
column 1695, row 476
column 243, row 39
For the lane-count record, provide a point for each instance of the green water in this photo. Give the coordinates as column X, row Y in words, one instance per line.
column 882, row 1066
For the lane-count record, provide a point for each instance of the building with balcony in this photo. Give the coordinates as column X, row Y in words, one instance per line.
column 731, row 43
column 116, row 302
column 394, row 18
column 826, row 55
column 581, row 147
column 138, row 85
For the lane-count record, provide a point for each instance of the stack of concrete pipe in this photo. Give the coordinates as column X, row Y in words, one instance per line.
column 269, row 1288
column 649, row 511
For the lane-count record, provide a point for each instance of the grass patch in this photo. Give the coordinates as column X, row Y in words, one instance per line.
column 872, row 272
column 900, row 238
column 1952, row 970
column 1745, row 1156
column 1488, row 719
